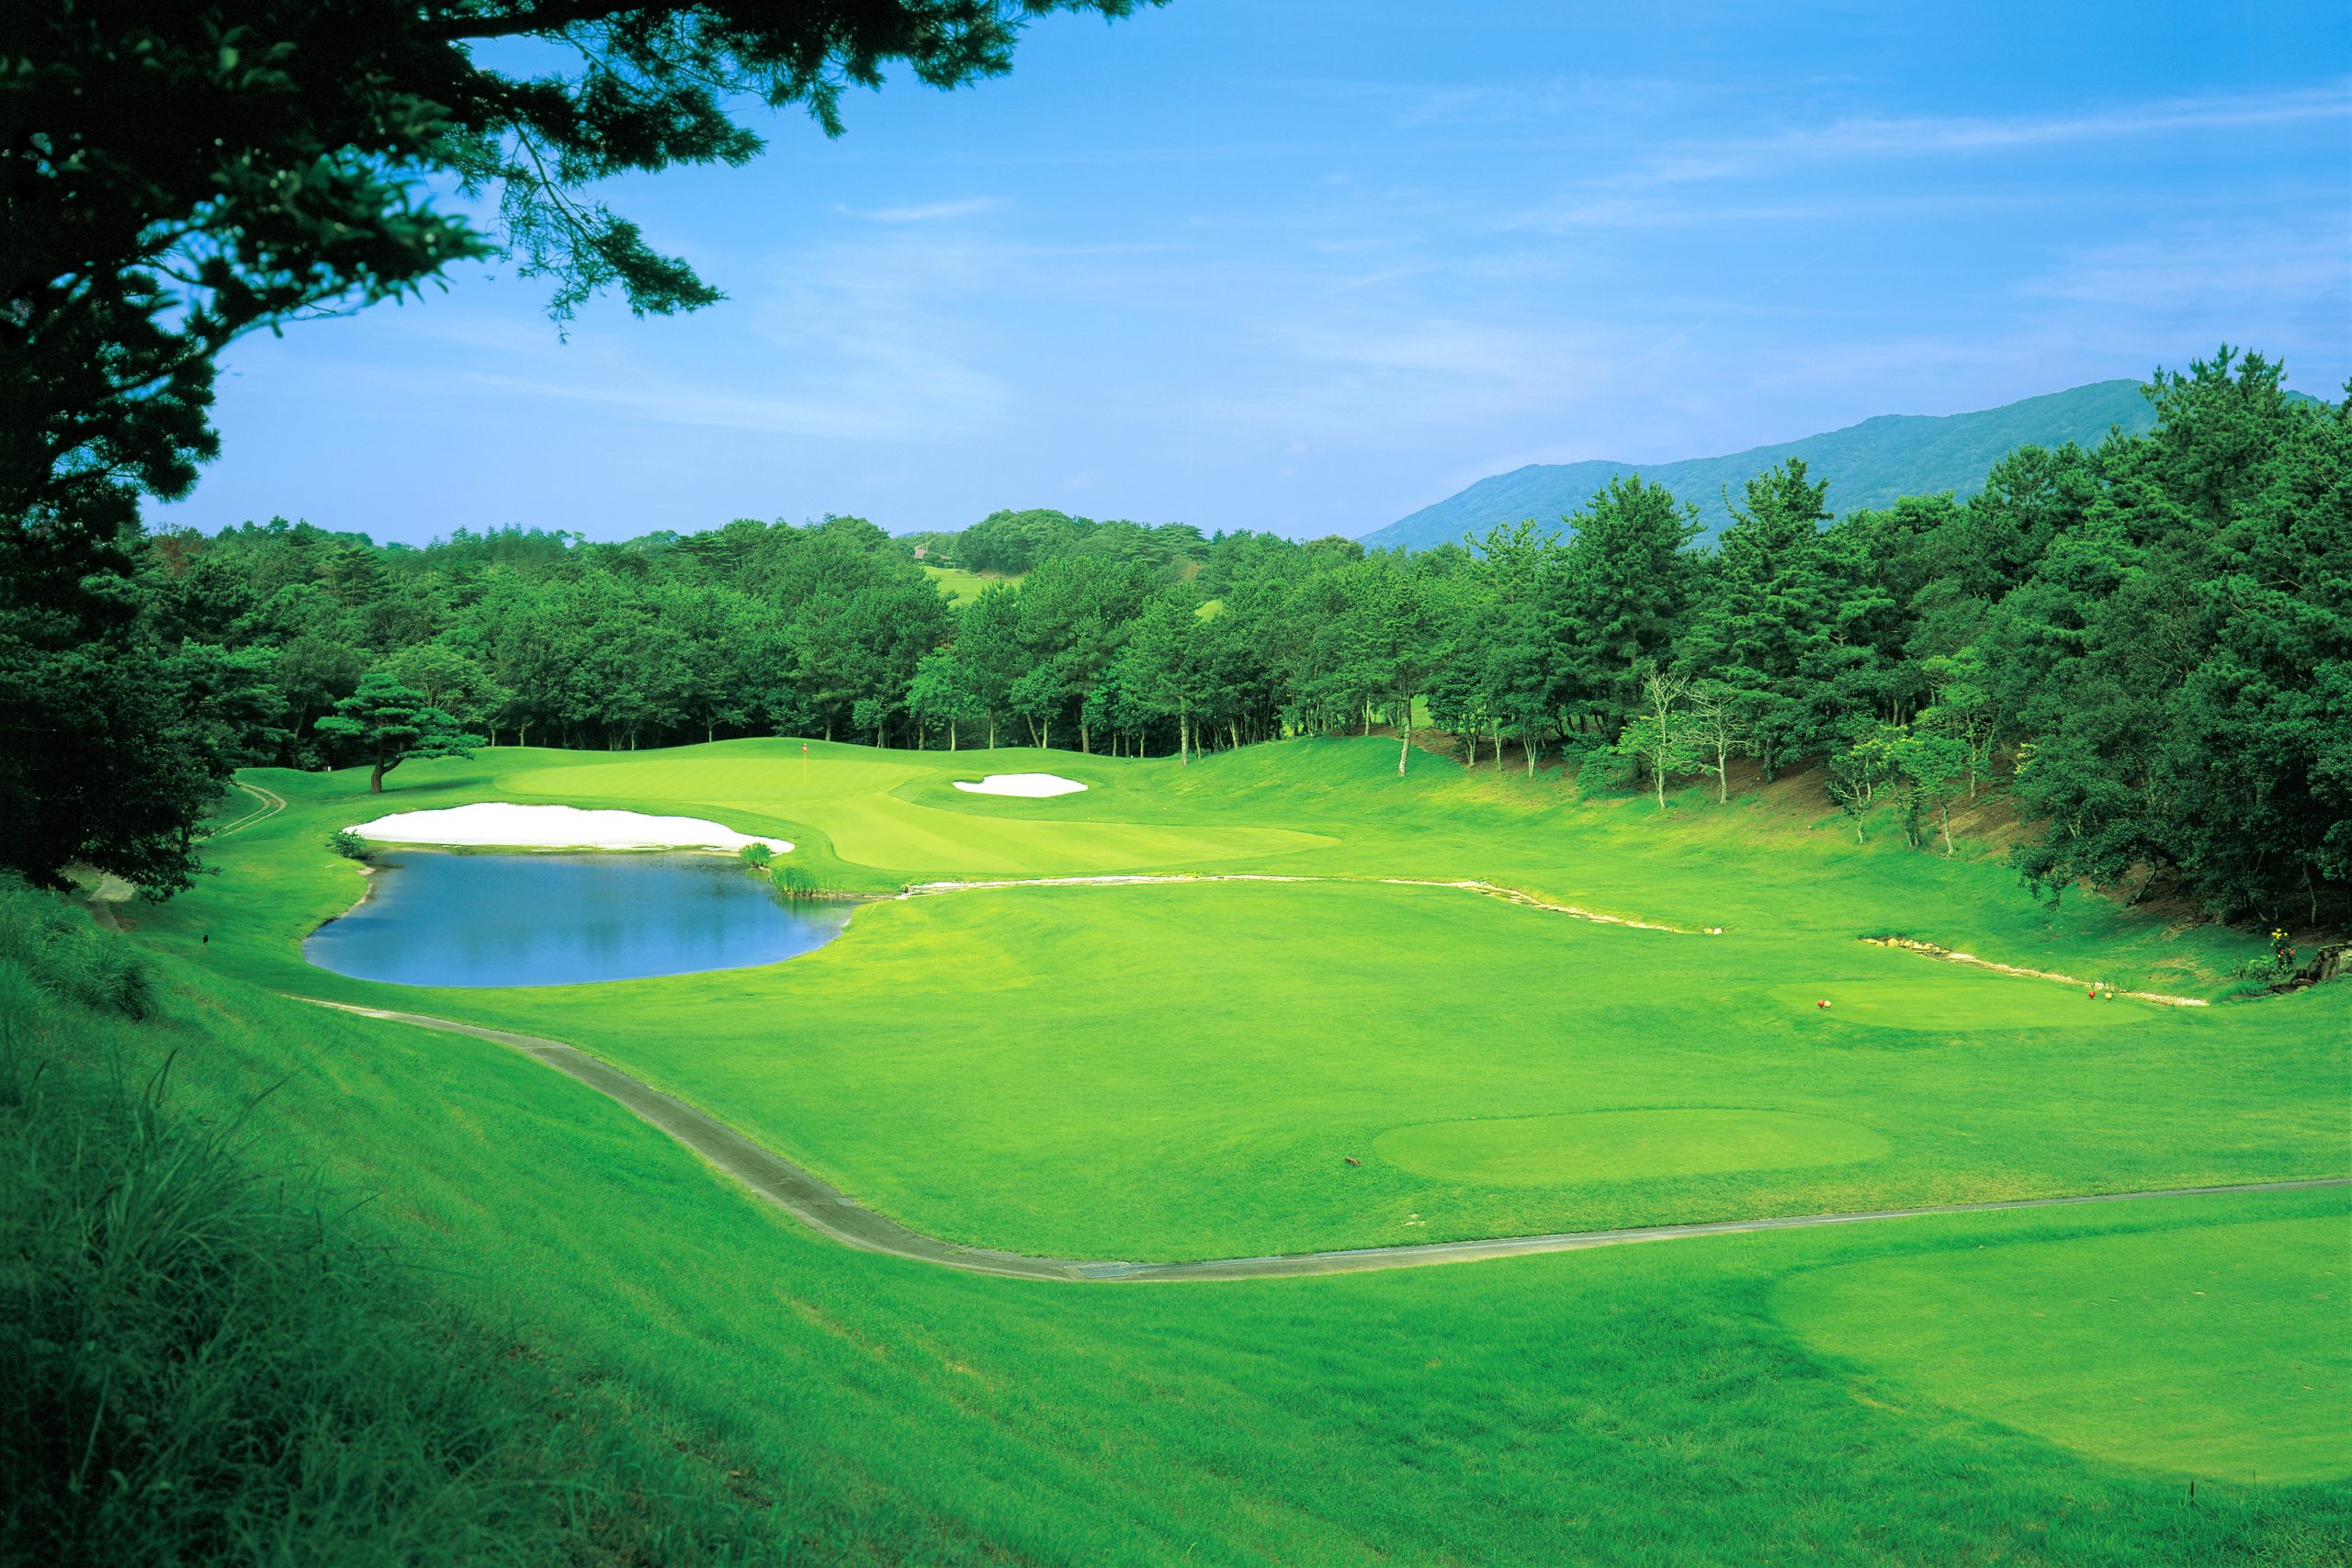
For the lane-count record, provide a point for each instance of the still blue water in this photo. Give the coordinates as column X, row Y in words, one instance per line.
column 559, row 919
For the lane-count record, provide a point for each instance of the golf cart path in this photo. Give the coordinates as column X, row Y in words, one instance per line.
column 268, row 803
column 832, row 1213
column 108, row 892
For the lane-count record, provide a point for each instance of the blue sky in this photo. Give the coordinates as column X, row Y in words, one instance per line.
column 1307, row 265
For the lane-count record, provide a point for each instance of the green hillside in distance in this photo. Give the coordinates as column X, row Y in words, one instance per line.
column 1870, row 464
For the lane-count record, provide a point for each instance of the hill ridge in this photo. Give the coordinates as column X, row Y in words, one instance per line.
column 1870, row 463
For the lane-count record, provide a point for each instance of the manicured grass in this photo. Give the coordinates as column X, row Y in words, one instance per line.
column 958, row 584
column 1622, row 1145
column 2224, row 1352
column 1185, row 1069
column 1952, row 1002
column 864, row 815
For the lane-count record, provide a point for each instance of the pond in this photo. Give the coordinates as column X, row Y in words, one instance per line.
column 561, row 920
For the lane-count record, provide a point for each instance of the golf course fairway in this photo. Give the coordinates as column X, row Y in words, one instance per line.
column 1599, row 1145
column 1169, row 1069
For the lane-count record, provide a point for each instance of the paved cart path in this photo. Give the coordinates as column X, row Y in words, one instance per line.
column 826, row 1209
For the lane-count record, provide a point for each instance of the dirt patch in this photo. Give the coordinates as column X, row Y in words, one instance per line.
column 1930, row 949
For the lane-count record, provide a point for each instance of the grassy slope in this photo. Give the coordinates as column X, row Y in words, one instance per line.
column 2189, row 1348
column 1645, row 1403
column 202, row 1361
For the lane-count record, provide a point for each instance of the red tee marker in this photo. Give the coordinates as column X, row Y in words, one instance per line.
column 1822, row 1004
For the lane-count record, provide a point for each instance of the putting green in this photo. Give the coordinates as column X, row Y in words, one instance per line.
column 1622, row 1145
column 2222, row 1351
column 853, row 803
column 1943, row 999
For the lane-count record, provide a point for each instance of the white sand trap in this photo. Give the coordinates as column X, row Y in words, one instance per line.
column 1035, row 786
column 555, row 827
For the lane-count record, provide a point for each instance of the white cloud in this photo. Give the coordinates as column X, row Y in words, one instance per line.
column 925, row 213
column 1929, row 135
column 2182, row 268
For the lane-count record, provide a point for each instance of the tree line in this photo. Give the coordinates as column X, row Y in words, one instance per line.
column 2148, row 644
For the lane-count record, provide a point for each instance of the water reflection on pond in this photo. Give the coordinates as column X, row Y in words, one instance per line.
column 559, row 919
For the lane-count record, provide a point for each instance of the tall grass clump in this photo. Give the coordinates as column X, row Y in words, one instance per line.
column 798, row 882
column 203, row 1361
column 48, row 937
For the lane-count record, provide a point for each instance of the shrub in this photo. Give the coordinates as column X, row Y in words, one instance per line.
column 1604, row 771
column 756, row 855
column 350, row 845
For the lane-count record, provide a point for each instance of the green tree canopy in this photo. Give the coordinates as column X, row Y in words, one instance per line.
column 388, row 723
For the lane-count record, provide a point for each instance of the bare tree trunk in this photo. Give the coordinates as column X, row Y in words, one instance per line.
column 1234, row 730
column 1085, row 742
column 1405, row 749
column 1183, row 738
column 950, row 734
column 991, row 729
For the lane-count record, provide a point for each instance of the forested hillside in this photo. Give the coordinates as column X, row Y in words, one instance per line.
column 2148, row 642
column 1874, row 463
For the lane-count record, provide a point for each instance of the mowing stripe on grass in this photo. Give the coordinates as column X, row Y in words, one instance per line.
column 826, row 1209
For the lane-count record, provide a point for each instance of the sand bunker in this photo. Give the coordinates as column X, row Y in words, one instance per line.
column 1033, row 785
column 555, row 827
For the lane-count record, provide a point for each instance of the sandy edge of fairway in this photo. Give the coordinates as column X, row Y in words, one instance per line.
column 1930, row 949
column 832, row 1213
column 491, row 824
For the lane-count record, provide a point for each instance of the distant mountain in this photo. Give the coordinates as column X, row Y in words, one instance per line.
column 1870, row 464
